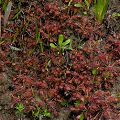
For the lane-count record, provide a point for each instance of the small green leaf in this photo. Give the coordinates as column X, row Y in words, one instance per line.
column 107, row 74
column 94, row 72
column 66, row 42
column 82, row 117
column 78, row 5
column 52, row 45
column 85, row 13
column 96, row 82
column 60, row 40
column 118, row 14
column 118, row 96
column 113, row 15
column 77, row 102
column 69, row 3
column 1, row 42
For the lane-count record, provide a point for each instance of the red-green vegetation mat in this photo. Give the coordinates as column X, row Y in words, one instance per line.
column 43, row 80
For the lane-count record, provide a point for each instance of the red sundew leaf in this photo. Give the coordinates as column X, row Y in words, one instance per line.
column 107, row 113
column 107, row 93
column 81, row 107
column 52, row 92
column 73, row 109
column 106, row 86
column 68, row 72
column 67, row 87
column 112, row 81
column 52, row 104
column 99, row 93
column 44, row 85
column 75, row 74
column 110, row 99
column 42, row 104
column 27, row 94
column 94, row 107
column 28, row 81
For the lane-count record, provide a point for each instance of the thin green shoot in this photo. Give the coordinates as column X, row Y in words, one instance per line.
column 48, row 63
column 87, row 3
column 82, row 117
column 16, row 16
column 38, row 40
column 15, row 36
column 19, row 5
column 27, row 24
column 69, row 3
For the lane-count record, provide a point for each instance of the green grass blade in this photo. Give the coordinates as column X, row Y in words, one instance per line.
column 69, row 3
column 15, row 36
column 82, row 117
column 4, row 5
column 17, row 14
column 87, row 3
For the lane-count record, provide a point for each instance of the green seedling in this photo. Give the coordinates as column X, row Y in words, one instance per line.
column 115, row 14
column 94, row 72
column 37, row 114
column 96, row 82
column 62, row 45
column 38, row 40
column 82, row 116
column 77, row 102
column 19, row 109
column 46, row 113
column 101, row 7
column 118, row 14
